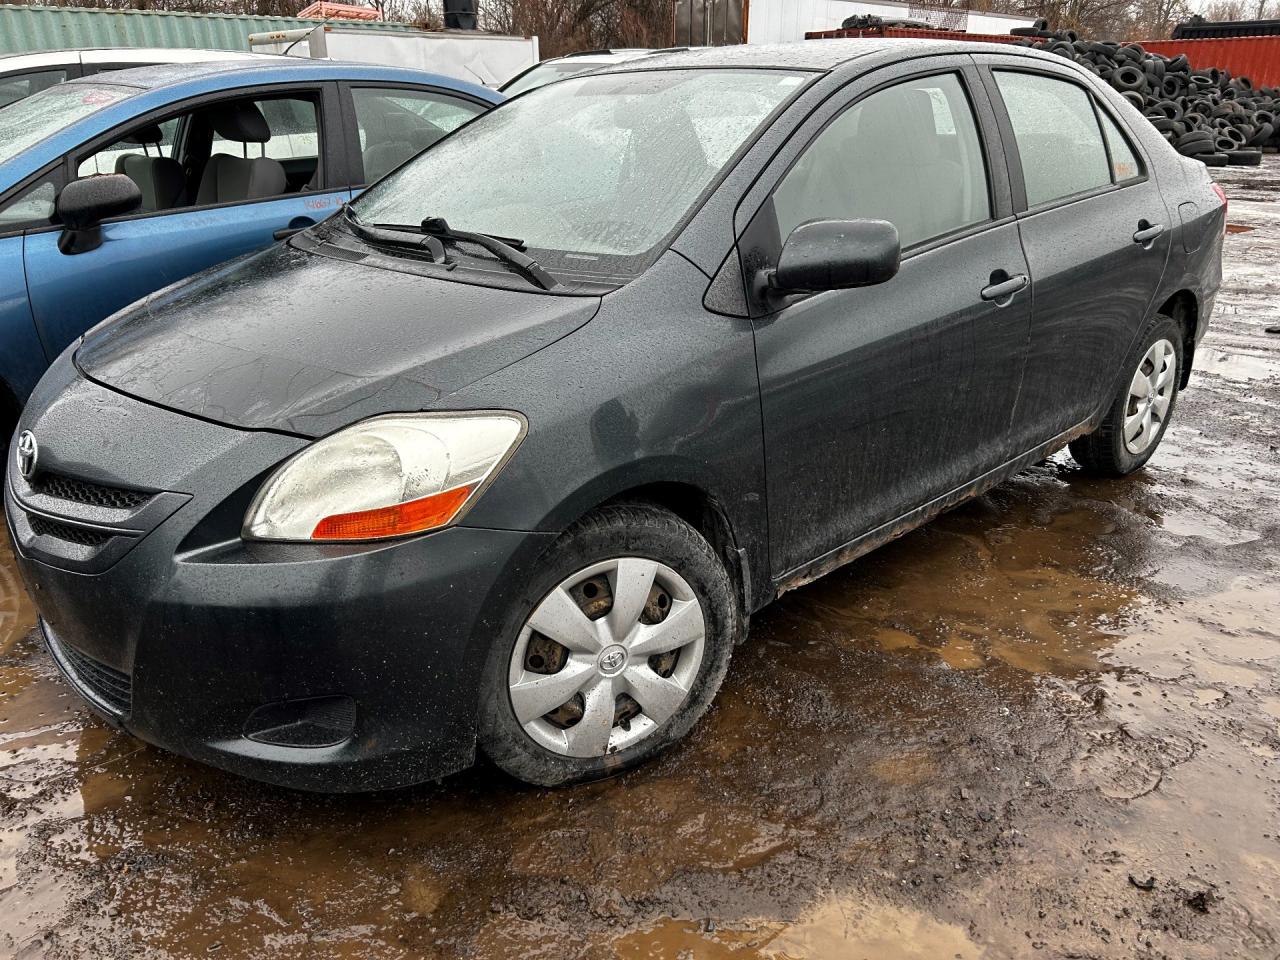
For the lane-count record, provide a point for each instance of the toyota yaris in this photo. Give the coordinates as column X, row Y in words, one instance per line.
column 504, row 455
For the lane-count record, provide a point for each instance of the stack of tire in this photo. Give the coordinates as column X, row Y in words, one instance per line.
column 1209, row 115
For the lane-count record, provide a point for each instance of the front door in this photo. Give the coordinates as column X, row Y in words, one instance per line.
column 1097, row 236
column 880, row 399
column 22, row 356
column 218, row 181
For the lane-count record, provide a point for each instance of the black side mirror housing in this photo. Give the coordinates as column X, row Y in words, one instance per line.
column 84, row 204
column 837, row 255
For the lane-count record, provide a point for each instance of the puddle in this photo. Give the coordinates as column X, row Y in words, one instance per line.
column 1236, row 366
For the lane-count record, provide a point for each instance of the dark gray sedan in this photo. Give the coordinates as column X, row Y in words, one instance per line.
column 506, row 454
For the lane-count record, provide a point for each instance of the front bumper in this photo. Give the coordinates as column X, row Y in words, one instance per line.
column 319, row 666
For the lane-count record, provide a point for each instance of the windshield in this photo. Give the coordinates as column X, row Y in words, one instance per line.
column 590, row 173
column 41, row 115
column 545, row 73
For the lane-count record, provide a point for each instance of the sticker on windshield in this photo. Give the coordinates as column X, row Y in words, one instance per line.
column 790, row 81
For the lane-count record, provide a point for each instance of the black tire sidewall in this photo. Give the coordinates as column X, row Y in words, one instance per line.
column 608, row 533
column 1161, row 328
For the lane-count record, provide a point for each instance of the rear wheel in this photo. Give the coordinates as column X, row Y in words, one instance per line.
column 1140, row 414
column 621, row 650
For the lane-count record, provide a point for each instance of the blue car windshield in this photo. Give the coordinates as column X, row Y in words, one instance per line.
column 590, row 173
column 28, row 121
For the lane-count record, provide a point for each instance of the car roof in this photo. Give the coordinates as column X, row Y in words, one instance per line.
column 101, row 54
column 267, row 68
column 819, row 55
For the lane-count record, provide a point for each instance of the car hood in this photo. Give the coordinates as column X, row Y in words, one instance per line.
column 299, row 342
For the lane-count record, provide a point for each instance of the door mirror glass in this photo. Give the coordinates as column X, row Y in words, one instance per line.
column 836, row 255
column 84, row 204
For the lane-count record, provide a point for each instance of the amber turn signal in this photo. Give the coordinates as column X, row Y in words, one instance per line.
column 415, row 516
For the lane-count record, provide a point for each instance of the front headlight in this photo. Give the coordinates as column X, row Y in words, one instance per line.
column 385, row 477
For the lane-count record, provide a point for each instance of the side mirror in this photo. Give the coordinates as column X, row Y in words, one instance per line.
column 836, row 255
column 84, row 204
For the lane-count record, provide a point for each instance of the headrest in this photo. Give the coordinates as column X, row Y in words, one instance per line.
column 398, row 126
column 148, row 134
column 899, row 122
column 241, row 122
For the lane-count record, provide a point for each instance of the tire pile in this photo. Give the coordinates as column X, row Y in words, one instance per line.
column 1208, row 115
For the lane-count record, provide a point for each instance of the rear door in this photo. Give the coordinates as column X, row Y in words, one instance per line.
column 180, row 233
column 393, row 123
column 1096, row 233
column 878, row 400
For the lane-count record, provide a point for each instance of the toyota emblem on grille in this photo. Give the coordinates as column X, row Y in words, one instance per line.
column 28, row 453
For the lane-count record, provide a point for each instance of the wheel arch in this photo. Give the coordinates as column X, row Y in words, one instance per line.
column 10, row 410
column 702, row 511
column 1184, row 309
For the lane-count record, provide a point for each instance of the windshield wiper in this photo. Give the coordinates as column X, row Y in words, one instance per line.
column 504, row 249
column 411, row 238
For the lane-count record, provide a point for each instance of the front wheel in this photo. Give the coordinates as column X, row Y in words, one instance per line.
column 1136, row 421
column 625, row 640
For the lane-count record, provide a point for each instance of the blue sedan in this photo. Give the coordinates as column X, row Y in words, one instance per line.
column 226, row 157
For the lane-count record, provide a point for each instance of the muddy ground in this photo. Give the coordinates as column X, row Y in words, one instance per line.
column 987, row 739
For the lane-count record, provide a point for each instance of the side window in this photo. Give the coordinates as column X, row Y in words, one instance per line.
column 32, row 207
column 13, row 89
column 151, row 140
column 1124, row 164
column 1057, row 135
column 910, row 154
column 394, row 125
column 230, row 151
column 294, row 130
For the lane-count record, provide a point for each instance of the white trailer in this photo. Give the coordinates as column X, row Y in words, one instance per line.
column 780, row 21
column 486, row 58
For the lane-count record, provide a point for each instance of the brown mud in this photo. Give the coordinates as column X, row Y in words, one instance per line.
column 986, row 739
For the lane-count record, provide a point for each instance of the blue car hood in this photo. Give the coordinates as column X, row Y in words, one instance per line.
column 303, row 343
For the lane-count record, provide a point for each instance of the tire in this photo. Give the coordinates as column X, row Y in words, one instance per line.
column 1264, row 133
column 1129, row 78
column 576, row 575
column 1106, row 452
column 1244, row 158
column 1213, row 159
column 1194, row 136
column 1194, row 148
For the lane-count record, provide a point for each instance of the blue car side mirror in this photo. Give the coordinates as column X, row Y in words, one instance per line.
column 84, row 204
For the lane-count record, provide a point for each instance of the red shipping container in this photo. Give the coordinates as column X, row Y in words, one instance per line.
column 1257, row 58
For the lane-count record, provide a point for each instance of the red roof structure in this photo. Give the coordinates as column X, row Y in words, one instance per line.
column 324, row 10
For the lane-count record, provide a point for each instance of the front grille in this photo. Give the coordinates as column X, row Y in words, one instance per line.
column 64, row 531
column 113, row 688
column 93, row 494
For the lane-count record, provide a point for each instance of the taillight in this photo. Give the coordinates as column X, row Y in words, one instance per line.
column 1223, row 197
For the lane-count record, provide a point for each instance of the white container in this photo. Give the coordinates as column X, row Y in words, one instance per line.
column 781, row 21
column 486, row 58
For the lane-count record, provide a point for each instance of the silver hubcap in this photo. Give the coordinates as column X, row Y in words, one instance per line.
column 607, row 657
column 1150, row 393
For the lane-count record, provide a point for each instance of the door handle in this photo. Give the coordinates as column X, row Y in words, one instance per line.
column 1147, row 232
column 1005, row 288
column 296, row 225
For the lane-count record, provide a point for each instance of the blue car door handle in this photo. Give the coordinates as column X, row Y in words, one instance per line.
column 296, row 225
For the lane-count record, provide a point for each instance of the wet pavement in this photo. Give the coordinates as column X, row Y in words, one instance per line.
column 1047, row 724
